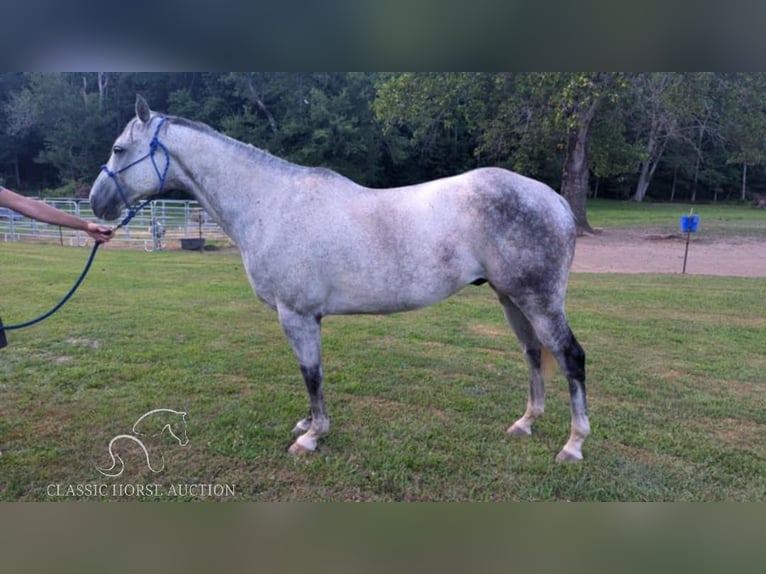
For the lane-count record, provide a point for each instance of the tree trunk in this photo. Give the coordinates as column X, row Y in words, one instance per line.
column 643, row 181
column 648, row 167
column 16, row 170
column 84, row 90
column 251, row 87
column 103, row 83
column 744, row 181
column 655, row 147
column 697, row 167
column 673, row 187
column 574, row 182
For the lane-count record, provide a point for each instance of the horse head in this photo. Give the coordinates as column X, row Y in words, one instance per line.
column 177, row 429
column 137, row 166
column 157, row 421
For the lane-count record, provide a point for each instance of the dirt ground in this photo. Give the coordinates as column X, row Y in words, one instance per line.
column 639, row 251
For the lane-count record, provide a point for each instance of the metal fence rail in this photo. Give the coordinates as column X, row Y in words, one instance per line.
column 161, row 225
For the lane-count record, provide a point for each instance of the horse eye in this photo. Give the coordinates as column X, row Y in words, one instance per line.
column 117, row 150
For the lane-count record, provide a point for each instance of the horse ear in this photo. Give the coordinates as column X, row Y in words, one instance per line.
column 143, row 112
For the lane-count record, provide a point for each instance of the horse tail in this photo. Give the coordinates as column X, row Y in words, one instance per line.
column 547, row 364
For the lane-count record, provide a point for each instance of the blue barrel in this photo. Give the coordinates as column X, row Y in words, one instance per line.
column 689, row 223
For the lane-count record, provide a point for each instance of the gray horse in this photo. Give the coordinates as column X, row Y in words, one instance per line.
column 315, row 243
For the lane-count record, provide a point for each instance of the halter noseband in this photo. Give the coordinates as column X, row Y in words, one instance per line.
column 154, row 145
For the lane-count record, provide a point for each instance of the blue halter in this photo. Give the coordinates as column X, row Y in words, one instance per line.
column 154, row 145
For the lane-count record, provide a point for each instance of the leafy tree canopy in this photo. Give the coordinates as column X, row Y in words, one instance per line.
column 655, row 134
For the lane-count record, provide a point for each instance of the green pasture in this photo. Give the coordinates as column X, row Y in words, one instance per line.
column 419, row 401
column 716, row 219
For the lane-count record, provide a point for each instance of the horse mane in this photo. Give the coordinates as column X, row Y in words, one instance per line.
column 256, row 153
column 207, row 130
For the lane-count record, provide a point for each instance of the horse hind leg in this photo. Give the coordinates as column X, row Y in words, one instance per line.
column 540, row 363
column 545, row 337
column 572, row 360
column 538, row 373
column 558, row 337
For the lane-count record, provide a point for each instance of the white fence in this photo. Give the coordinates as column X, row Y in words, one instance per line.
column 160, row 225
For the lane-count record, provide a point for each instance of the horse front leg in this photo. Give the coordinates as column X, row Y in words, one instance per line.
column 318, row 422
column 304, row 334
column 303, row 425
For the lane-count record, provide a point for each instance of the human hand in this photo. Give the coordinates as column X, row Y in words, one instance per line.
column 100, row 233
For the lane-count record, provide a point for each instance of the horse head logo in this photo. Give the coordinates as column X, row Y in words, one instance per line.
column 151, row 424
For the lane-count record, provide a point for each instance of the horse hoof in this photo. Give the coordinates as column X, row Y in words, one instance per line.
column 566, row 456
column 304, row 443
column 518, row 430
column 298, row 449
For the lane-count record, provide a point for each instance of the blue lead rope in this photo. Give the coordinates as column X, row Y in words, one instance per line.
column 63, row 300
column 161, row 175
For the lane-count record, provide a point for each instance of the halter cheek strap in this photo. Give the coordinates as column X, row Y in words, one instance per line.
column 162, row 174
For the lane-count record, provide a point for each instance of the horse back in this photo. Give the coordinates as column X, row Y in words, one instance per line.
column 336, row 247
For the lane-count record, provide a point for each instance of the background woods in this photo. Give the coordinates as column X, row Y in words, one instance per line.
column 661, row 135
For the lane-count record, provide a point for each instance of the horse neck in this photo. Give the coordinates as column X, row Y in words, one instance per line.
column 226, row 176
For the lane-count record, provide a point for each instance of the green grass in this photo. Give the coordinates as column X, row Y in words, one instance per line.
column 716, row 219
column 419, row 401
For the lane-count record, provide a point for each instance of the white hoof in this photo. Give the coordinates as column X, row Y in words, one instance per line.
column 518, row 429
column 297, row 448
column 569, row 456
column 304, row 444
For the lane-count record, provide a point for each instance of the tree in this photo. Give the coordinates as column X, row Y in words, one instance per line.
column 612, row 156
column 60, row 108
column 321, row 119
column 665, row 103
column 525, row 116
column 581, row 96
column 12, row 145
column 680, row 133
column 744, row 122
column 704, row 133
column 550, row 112
column 515, row 128
column 429, row 121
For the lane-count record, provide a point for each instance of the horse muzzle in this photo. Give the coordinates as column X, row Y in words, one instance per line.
column 104, row 201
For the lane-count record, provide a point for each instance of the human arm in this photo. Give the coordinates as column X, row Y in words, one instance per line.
column 49, row 214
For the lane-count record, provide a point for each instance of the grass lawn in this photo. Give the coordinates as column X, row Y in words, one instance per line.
column 716, row 219
column 419, row 401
